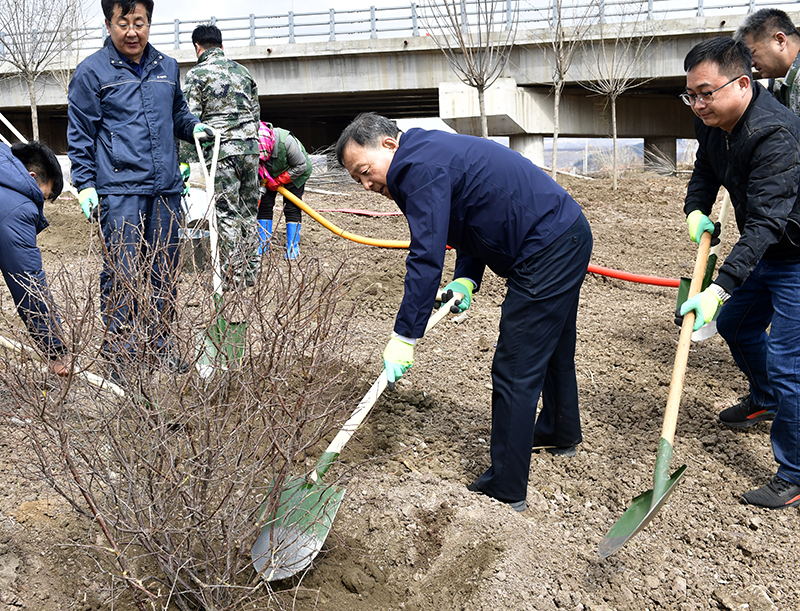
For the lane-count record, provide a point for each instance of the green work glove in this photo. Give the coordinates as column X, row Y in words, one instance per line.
column 186, row 172
column 464, row 286
column 206, row 132
column 88, row 200
column 699, row 223
column 706, row 305
column 398, row 357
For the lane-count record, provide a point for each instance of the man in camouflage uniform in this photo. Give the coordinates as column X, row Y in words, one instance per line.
column 225, row 95
column 775, row 44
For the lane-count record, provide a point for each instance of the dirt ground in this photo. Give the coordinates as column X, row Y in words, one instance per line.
column 410, row 536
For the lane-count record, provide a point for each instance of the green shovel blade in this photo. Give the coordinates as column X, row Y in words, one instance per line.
column 222, row 345
column 643, row 508
column 296, row 532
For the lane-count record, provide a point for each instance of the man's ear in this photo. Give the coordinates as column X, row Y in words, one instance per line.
column 389, row 143
column 780, row 37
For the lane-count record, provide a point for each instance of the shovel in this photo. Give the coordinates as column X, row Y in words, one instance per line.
column 222, row 342
column 709, row 329
column 94, row 380
column 294, row 533
column 646, row 505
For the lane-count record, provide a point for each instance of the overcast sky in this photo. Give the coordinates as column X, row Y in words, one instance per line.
column 191, row 10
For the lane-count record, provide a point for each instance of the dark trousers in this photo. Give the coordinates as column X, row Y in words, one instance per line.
column 138, row 284
column 536, row 355
column 291, row 212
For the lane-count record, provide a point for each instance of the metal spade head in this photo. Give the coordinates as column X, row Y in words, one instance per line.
column 643, row 508
column 294, row 535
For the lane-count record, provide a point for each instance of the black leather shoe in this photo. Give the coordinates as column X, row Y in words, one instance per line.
column 516, row 505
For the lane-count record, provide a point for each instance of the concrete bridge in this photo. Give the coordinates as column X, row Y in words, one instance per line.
column 316, row 88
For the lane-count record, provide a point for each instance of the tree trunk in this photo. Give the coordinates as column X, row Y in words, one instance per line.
column 482, row 107
column 557, row 101
column 34, row 111
column 614, row 139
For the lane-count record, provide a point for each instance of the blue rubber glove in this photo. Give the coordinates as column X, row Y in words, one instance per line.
column 706, row 305
column 398, row 357
column 88, row 200
column 699, row 223
column 206, row 132
column 459, row 285
column 186, row 172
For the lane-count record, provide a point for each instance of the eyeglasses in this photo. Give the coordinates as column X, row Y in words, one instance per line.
column 137, row 26
column 690, row 99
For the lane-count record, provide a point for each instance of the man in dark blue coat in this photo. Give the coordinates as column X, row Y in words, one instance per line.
column 499, row 210
column 125, row 110
column 29, row 175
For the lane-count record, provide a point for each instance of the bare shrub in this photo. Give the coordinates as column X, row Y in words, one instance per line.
column 175, row 470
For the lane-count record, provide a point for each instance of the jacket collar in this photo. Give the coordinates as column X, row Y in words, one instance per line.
column 118, row 59
column 209, row 54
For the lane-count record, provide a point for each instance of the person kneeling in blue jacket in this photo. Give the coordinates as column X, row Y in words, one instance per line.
column 496, row 209
column 29, row 175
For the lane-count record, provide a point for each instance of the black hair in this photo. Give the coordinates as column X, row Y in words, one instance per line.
column 732, row 57
column 366, row 130
column 127, row 6
column 765, row 23
column 207, row 36
column 39, row 159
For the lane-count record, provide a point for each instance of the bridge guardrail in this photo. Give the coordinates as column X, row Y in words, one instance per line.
column 410, row 20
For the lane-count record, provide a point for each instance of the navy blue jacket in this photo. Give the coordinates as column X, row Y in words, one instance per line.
column 21, row 219
column 122, row 126
column 759, row 164
column 490, row 203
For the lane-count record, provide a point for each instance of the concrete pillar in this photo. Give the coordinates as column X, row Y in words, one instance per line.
column 530, row 146
column 661, row 154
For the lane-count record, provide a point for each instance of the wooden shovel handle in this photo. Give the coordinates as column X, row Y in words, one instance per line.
column 91, row 378
column 684, row 342
column 368, row 401
column 211, row 208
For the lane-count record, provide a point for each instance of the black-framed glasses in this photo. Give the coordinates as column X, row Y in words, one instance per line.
column 138, row 26
column 690, row 99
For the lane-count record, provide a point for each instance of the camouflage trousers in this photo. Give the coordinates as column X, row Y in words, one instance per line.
column 237, row 191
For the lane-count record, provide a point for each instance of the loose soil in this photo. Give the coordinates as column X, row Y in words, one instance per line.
column 409, row 535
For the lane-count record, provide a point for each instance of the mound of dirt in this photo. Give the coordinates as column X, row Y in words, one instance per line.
column 410, row 536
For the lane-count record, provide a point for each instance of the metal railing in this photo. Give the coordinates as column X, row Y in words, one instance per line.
column 410, row 20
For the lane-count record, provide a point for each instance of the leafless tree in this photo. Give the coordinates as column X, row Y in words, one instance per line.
column 476, row 37
column 570, row 21
column 615, row 53
column 173, row 471
column 34, row 36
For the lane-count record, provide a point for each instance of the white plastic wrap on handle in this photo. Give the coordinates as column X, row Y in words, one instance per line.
column 211, row 207
column 710, row 329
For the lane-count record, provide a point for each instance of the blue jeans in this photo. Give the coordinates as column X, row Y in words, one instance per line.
column 771, row 361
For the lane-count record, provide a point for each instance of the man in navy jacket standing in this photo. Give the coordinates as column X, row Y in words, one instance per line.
column 125, row 110
column 29, row 175
column 497, row 209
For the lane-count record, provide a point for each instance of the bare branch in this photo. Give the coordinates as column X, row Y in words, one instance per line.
column 476, row 38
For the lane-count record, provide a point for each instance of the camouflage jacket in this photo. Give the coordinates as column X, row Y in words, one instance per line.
column 787, row 89
column 223, row 95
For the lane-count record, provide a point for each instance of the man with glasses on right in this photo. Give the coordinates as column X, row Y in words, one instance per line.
column 750, row 144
